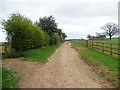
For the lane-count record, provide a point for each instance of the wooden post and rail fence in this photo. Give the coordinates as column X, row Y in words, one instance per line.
column 111, row 48
column 5, row 47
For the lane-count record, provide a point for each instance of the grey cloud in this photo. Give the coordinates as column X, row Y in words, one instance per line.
column 87, row 9
column 77, row 17
column 76, row 35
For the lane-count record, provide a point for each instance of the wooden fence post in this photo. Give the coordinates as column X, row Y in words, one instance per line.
column 10, row 44
column 86, row 43
column 111, row 49
column 97, row 45
column 92, row 44
column 103, row 47
column 5, row 47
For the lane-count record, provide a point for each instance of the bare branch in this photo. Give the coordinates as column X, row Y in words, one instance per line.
column 110, row 29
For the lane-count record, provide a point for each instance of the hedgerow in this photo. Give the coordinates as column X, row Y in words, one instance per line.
column 23, row 34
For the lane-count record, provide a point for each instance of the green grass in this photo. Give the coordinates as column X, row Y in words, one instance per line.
column 103, row 64
column 39, row 55
column 107, row 42
column 113, row 40
column 10, row 79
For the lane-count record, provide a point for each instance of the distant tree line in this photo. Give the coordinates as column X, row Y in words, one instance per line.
column 24, row 35
column 98, row 36
column 110, row 29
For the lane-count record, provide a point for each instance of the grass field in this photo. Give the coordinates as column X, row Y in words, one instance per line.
column 103, row 64
column 113, row 40
column 106, row 44
column 39, row 55
column 10, row 79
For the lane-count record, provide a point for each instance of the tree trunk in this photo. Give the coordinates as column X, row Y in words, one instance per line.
column 110, row 37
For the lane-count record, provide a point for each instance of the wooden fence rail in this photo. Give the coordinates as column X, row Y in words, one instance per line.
column 111, row 48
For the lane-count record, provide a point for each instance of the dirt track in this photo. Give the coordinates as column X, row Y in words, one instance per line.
column 65, row 69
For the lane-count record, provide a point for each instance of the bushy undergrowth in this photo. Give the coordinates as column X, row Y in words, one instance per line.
column 39, row 54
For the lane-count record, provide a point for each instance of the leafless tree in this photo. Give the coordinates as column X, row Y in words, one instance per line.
column 110, row 29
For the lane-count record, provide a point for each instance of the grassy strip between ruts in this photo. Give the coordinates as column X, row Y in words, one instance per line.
column 10, row 78
column 40, row 55
column 103, row 64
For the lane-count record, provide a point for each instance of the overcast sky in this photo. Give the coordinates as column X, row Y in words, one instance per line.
column 77, row 18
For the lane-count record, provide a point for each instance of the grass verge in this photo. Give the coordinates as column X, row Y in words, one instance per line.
column 10, row 79
column 103, row 64
column 40, row 55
